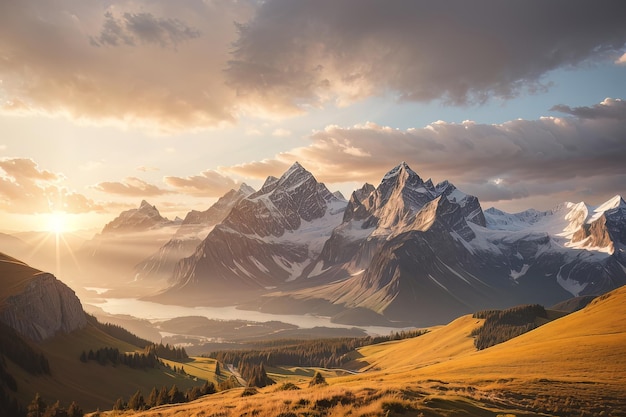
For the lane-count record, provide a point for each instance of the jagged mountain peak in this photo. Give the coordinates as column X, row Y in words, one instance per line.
column 399, row 169
column 339, row 195
column 143, row 218
column 268, row 185
column 294, row 176
column 282, row 204
column 246, row 190
column 401, row 175
column 146, row 206
column 612, row 203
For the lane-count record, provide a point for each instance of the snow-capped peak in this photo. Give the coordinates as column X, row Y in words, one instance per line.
column 246, row 190
column 612, row 203
column 403, row 167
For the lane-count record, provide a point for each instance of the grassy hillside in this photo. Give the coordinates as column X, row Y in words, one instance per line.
column 14, row 276
column 92, row 385
column 89, row 383
column 575, row 365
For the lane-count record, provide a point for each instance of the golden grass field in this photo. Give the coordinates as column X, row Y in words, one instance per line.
column 575, row 365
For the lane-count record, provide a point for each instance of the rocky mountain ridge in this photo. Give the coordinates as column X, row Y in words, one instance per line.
column 268, row 238
column 407, row 250
column 144, row 218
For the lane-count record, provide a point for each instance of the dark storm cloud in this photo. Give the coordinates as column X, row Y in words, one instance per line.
column 608, row 109
column 298, row 53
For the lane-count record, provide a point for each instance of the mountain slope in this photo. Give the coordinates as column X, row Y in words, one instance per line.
column 268, row 238
column 423, row 253
column 574, row 365
column 194, row 228
column 111, row 256
column 404, row 251
column 587, row 345
column 48, row 316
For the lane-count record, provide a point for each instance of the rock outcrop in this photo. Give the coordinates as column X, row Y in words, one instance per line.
column 43, row 308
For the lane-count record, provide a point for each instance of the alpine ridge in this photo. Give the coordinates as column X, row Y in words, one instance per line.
column 408, row 250
column 268, row 238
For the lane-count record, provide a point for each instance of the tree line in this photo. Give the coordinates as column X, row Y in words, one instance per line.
column 502, row 325
column 163, row 396
column 38, row 408
column 118, row 332
column 22, row 353
column 172, row 353
column 113, row 356
column 322, row 353
column 150, row 358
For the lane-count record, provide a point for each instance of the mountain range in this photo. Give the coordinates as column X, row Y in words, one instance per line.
column 407, row 251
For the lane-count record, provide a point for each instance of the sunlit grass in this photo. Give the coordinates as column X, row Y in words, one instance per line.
column 575, row 364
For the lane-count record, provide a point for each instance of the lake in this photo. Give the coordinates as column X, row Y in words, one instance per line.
column 157, row 312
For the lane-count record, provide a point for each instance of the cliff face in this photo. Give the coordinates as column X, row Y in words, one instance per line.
column 46, row 306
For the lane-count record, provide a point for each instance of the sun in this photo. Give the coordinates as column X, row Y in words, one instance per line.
column 57, row 223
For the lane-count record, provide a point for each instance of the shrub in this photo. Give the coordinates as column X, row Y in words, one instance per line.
column 318, row 379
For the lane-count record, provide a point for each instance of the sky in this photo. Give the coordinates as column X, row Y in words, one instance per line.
column 104, row 104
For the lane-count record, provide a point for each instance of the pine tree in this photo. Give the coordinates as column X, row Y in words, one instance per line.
column 55, row 410
column 120, row 404
column 218, row 371
column 37, row 407
column 208, row 388
column 136, row 402
column 74, row 410
column 175, row 396
column 193, row 394
column 152, row 398
column 318, row 379
column 162, row 397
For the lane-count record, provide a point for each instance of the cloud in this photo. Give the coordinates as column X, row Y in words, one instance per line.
column 293, row 55
column 208, row 184
column 143, row 168
column 186, row 65
column 281, row 132
column 25, row 188
column 510, row 161
column 608, row 109
column 261, row 169
column 153, row 64
column 131, row 186
column 134, row 28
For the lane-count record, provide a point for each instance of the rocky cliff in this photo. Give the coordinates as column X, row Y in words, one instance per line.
column 41, row 306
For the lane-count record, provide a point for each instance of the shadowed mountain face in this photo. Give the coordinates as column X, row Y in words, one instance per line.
column 408, row 250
